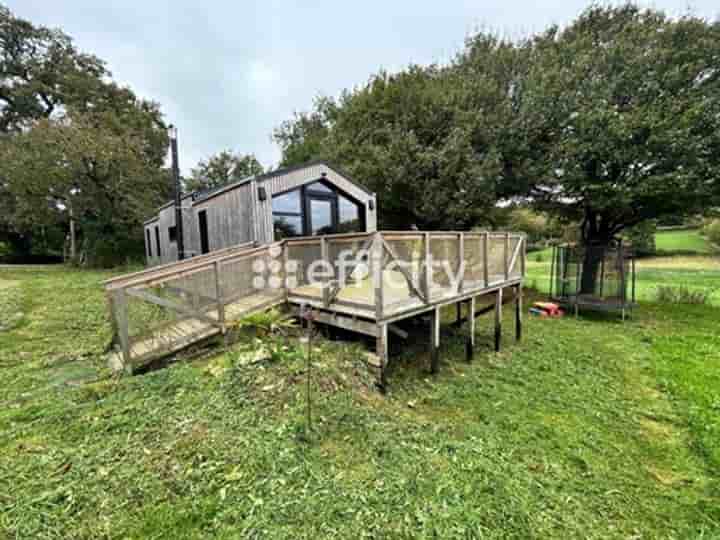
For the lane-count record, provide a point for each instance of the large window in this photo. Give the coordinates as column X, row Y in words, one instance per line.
column 314, row 209
column 287, row 214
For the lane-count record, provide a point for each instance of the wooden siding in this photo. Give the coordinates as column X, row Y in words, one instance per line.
column 229, row 218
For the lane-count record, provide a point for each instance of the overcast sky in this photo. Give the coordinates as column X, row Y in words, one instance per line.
column 228, row 72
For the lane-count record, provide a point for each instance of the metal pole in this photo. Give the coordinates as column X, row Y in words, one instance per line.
column 178, row 193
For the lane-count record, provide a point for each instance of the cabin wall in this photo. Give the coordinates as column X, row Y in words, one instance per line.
column 229, row 218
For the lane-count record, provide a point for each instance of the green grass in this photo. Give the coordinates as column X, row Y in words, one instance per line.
column 687, row 241
column 588, row 428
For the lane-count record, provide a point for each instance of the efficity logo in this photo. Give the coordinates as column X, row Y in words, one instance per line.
column 350, row 268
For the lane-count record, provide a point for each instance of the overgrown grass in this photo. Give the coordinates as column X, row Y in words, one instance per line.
column 589, row 428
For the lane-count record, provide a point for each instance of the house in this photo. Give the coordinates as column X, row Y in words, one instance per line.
column 307, row 200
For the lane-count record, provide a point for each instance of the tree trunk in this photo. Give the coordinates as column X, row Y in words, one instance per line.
column 592, row 259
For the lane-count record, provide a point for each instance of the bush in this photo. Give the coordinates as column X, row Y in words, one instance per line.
column 712, row 231
column 642, row 237
column 683, row 295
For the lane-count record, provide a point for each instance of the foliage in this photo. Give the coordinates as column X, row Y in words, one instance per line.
column 625, row 101
column 642, row 237
column 546, row 439
column 608, row 122
column 222, row 169
column 683, row 295
column 101, row 168
column 72, row 140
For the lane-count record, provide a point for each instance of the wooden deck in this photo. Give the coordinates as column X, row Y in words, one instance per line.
column 392, row 276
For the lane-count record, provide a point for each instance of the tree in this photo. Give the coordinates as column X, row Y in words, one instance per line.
column 301, row 138
column 222, row 169
column 41, row 72
column 72, row 139
column 99, row 168
column 624, row 104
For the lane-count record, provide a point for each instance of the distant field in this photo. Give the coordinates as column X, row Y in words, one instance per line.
column 687, row 240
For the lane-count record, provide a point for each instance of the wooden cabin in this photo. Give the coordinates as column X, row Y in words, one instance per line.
column 307, row 200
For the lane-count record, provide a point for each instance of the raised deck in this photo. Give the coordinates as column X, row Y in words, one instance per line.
column 362, row 282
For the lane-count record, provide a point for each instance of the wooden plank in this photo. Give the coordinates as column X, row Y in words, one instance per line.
column 142, row 275
column 170, row 305
column 354, row 324
column 471, row 316
column 382, row 346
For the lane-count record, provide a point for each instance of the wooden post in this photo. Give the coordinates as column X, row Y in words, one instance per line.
column 284, row 270
column 506, row 255
column 381, row 349
column 518, row 312
column 435, row 341
column 218, row 296
column 498, row 319
column 377, row 272
column 326, row 280
column 523, row 254
column 121, row 316
column 115, row 330
column 470, row 346
column 427, row 266
column 486, row 239
column 461, row 262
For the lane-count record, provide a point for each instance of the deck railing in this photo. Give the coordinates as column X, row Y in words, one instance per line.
column 381, row 274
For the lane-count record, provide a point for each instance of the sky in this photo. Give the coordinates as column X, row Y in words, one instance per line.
column 227, row 73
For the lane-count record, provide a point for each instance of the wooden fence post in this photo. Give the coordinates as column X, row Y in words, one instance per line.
column 377, row 259
column 470, row 346
column 121, row 317
column 427, row 267
column 506, row 256
column 326, row 264
column 435, row 341
column 218, row 295
column 486, row 276
column 461, row 261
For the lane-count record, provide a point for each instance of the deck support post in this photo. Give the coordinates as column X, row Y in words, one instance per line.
column 470, row 345
column 381, row 350
column 518, row 312
column 498, row 319
column 435, row 341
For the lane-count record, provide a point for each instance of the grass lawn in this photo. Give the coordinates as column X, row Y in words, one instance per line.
column 588, row 428
column 684, row 240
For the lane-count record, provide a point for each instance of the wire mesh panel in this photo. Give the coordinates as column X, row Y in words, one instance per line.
column 165, row 315
column 496, row 258
column 302, row 259
column 473, row 256
column 445, row 260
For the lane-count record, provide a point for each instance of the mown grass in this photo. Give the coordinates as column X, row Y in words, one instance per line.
column 688, row 241
column 588, row 428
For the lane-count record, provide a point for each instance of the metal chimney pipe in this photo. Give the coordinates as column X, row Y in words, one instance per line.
column 172, row 132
